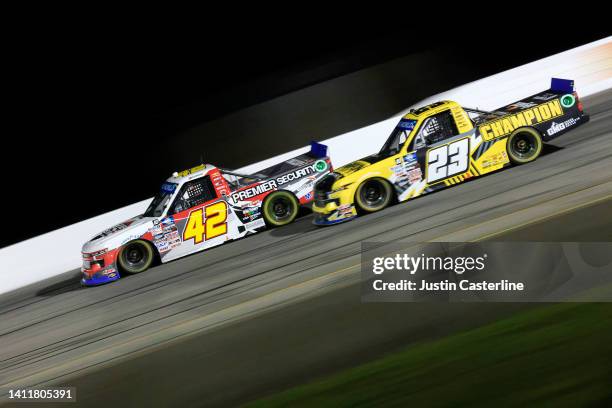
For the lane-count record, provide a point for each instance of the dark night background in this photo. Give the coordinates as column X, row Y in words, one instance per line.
column 93, row 120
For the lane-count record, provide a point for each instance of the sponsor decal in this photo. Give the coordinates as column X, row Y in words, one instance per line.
column 250, row 213
column 169, row 228
column 303, row 187
column 250, row 210
column 95, row 254
column 110, row 272
column 114, row 229
column 219, row 182
column 410, row 157
column 545, row 97
column 494, row 160
column 130, row 238
column 507, row 124
column 352, row 167
column 296, row 162
column 172, row 235
column 399, row 171
column 567, row 101
column 320, row 165
column 192, row 170
column 168, row 188
column 164, row 232
column 415, row 175
column 254, row 191
column 407, row 124
column 462, row 119
column 298, row 174
column 558, row 127
column 308, row 195
column 407, row 170
column 255, row 224
column 345, row 209
column 520, row 105
column 162, row 246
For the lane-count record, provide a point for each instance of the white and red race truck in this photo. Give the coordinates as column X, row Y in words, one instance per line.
column 201, row 208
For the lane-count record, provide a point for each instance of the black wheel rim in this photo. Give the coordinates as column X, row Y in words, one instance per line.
column 134, row 255
column 282, row 208
column 373, row 193
column 524, row 145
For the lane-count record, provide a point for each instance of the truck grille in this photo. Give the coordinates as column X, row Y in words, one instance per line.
column 322, row 189
column 321, row 199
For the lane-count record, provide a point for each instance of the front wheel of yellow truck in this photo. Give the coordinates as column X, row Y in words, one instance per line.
column 373, row 195
column 524, row 145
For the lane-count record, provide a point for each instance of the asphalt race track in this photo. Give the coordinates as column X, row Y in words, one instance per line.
column 283, row 306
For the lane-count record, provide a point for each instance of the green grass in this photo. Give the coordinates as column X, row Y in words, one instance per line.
column 557, row 355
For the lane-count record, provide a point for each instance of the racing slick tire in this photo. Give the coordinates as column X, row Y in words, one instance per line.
column 373, row 195
column 280, row 208
column 524, row 145
column 136, row 256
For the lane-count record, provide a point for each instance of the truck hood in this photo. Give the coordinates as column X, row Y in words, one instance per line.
column 119, row 234
column 357, row 165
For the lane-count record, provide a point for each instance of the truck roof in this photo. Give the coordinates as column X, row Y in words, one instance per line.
column 431, row 109
column 188, row 174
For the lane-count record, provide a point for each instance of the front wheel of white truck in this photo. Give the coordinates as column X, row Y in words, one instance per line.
column 136, row 256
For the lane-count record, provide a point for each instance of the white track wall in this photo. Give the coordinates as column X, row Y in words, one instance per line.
column 590, row 66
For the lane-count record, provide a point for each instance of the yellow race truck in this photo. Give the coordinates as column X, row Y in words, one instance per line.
column 443, row 144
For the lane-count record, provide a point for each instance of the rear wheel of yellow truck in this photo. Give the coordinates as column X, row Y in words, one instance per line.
column 524, row 145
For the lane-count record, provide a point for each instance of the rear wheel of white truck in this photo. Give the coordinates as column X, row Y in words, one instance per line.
column 136, row 256
column 280, row 208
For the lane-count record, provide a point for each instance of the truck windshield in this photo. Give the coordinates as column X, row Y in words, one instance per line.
column 398, row 137
column 161, row 200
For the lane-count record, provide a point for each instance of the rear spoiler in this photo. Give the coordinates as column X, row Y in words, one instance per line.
column 318, row 150
column 562, row 85
column 562, row 88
